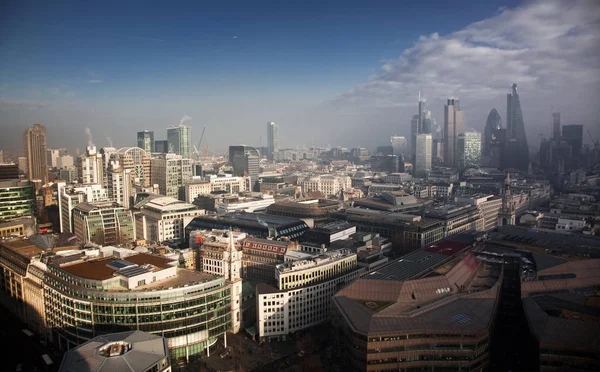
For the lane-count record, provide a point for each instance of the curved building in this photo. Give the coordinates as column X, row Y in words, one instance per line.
column 516, row 150
column 493, row 124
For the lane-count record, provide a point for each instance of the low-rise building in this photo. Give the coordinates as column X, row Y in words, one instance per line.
column 233, row 203
column 457, row 218
column 489, row 206
column 327, row 184
column 311, row 211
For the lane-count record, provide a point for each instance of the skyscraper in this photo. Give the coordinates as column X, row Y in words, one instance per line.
column 423, row 155
column 492, row 125
column 414, row 131
column 453, row 123
column 427, row 122
column 516, row 149
column 161, row 146
column 180, row 140
column 556, row 125
column 573, row 135
column 245, row 161
column 469, row 150
column 35, row 151
column 272, row 140
column 145, row 140
column 399, row 145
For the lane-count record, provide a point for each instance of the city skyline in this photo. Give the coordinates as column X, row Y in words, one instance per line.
column 371, row 96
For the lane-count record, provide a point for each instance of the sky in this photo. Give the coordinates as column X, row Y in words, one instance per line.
column 330, row 73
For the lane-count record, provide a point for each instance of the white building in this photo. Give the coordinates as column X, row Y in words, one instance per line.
column 118, row 182
column 89, row 167
column 64, row 161
column 423, row 154
column 170, row 172
column 328, row 185
column 488, row 205
column 226, row 205
column 163, row 219
column 303, row 294
column 70, row 196
column 214, row 183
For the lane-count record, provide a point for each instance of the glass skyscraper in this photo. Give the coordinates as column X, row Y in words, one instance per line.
column 180, row 140
column 453, row 122
column 469, row 150
column 516, row 149
column 423, row 155
column 272, row 140
column 145, row 141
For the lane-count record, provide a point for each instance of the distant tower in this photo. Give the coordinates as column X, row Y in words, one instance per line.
column 453, row 122
column 422, row 164
column 556, row 125
column 272, row 140
column 468, row 150
column 35, row 151
column 145, row 140
column 179, row 139
column 516, row 148
column 507, row 214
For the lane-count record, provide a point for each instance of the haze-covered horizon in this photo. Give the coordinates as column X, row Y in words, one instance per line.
column 338, row 74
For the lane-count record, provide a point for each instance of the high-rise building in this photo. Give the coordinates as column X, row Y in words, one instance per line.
column 118, row 183
column 453, row 123
column 516, row 149
column 104, row 223
column 490, row 135
column 145, row 140
column 35, row 150
column 556, row 125
column 272, row 140
column 469, row 150
column 245, row 162
column 400, row 145
column 414, row 131
column 179, row 139
column 170, row 172
column 89, row 167
column 161, row 146
column 427, row 123
column 423, row 155
column 573, row 135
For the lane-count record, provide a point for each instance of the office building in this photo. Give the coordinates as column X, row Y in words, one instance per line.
column 64, row 161
column 71, row 195
column 301, row 298
column 135, row 159
column 556, row 126
column 216, row 183
column 384, row 150
column 250, row 204
column 414, row 131
column 422, row 163
column 76, row 298
column 407, row 316
column 17, row 199
column 387, row 163
column 68, row 174
column 103, row 223
column 493, row 124
column 312, row 211
column 427, row 123
column 170, row 172
column 469, row 150
column 245, row 162
column 35, row 151
column 134, row 351
column 53, row 155
column 118, row 184
column 326, row 184
column 9, row 171
column 90, row 167
column 399, row 145
column 162, row 219
column 516, row 148
column 179, row 139
column 145, row 141
column 573, row 135
column 22, row 163
column 161, row 146
column 453, row 125
column 489, row 206
column 272, row 140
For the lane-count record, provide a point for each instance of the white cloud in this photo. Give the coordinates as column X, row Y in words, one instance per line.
column 548, row 47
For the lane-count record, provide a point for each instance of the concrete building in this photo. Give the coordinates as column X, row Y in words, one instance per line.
column 35, row 151
column 457, row 218
column 53, row 155
column 422, row 164
column 489, row 206
column 134, row 351
column 272, row 140
column 261, row 257
column 469, row 150
column 233, row 203
column 179, row 139
column 302, row 296
column 326, row 184
column 145, row 141
column 103, row 223
column 216, row 183
column 90, row 168
column 70, row 195
column 65, row 161
column 170, row 172
column 162, row 219
column 453, row 125
column 9, row 171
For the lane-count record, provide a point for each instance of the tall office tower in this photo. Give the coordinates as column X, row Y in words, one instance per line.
column 516, row 149
column 556, row 125
column 245, row 161
column 573, row 135
column 35, row 150
column 161, row 146
column 469, row 150
column 400, row 145
column 427, row 125
column 118, row 183
column 89, row 167
column 414, row 131
column 272, row 140
column 453, row 123
column 180, row 140
column 171, row 172
column 423, row 155
column 145, row 140
column 490, row 135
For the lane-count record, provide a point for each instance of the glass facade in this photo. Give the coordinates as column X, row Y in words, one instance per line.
column 16, row 199
column 180, row 140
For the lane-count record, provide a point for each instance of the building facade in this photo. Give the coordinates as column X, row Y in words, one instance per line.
column 17, row 199
column 103, row 223
column 170, row 172
column 469, row 150
column 453, row 125
column 272, row 140
column 145, row 141
column 35, row 151
column 179, row 139
column 245, row 162
column 423, row 155
column 516, row 149
column 328, row 185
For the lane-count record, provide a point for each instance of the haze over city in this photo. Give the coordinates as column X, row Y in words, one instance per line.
column 342, row 73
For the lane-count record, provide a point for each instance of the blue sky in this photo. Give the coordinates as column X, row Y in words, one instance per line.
column 119, row 67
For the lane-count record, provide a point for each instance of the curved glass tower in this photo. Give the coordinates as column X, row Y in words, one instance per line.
column 493, row 125
column 516, row 149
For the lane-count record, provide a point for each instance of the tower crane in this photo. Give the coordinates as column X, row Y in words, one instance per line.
column 196, row 151
column 595, row 142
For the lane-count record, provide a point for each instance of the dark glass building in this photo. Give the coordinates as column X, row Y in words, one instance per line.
column 516, row 148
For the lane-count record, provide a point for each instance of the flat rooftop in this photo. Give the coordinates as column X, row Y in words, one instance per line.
column 98, row 269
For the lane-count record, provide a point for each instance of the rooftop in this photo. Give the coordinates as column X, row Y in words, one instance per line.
column 100, row 269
